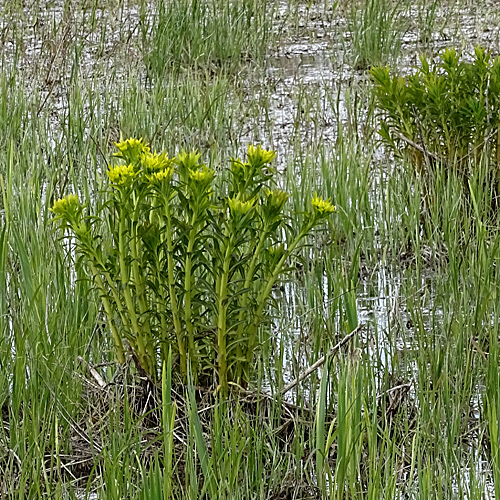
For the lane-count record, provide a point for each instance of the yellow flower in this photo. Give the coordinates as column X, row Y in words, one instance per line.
column 131, row 149
column 188, row 160
column 154, row 162
column 258, row 156
column 322, row 207
column 239, row 170
column 121, row 174
column 236, row 165
column 240, row 207
column 203, row 174
column 276, row 199
column 66, row 205
column 161, row 175
column 68, row 210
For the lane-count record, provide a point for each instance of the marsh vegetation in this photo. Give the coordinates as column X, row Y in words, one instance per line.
column 392, row 299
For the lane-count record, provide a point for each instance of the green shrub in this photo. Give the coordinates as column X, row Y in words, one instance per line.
column 447, row 112
column 193, row 259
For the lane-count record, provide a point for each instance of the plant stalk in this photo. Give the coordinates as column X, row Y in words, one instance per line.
column 188, row 283
column 171, row 288
column 261, row 301
column 222, row 318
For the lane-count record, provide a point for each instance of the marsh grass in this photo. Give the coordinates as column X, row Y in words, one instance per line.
column 377, row 28
column 428, row 19
column 213, row 35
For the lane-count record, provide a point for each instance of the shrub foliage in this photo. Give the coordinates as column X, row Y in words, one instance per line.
column 446, row 112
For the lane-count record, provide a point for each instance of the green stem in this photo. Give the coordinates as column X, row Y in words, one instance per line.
column 498, row 151
column 95, row 264
column 222, row 317
column 161, row 308
column 116, row 297
column 188, row 284
column 142, row 355
column 244, row 299
column 140, row 288
column 161, row 304
column 171, row 287
column 262, row 300
column 120, row 355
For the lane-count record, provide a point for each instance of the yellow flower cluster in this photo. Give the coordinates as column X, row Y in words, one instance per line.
column 131, row 149
column 66, row 205
column 277, row 198
column 203, row 174
column 158, row 167
column 322, row 207
column 238, row 167
column 154, row 162
column 161, row 175
column 121, row 174
column 240, row 207
column 259, row 156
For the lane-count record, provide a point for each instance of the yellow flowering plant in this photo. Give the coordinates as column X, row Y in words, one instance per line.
column 186, row 268
column 322, row 207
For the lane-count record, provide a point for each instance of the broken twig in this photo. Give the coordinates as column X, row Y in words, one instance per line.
column 321, row 360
